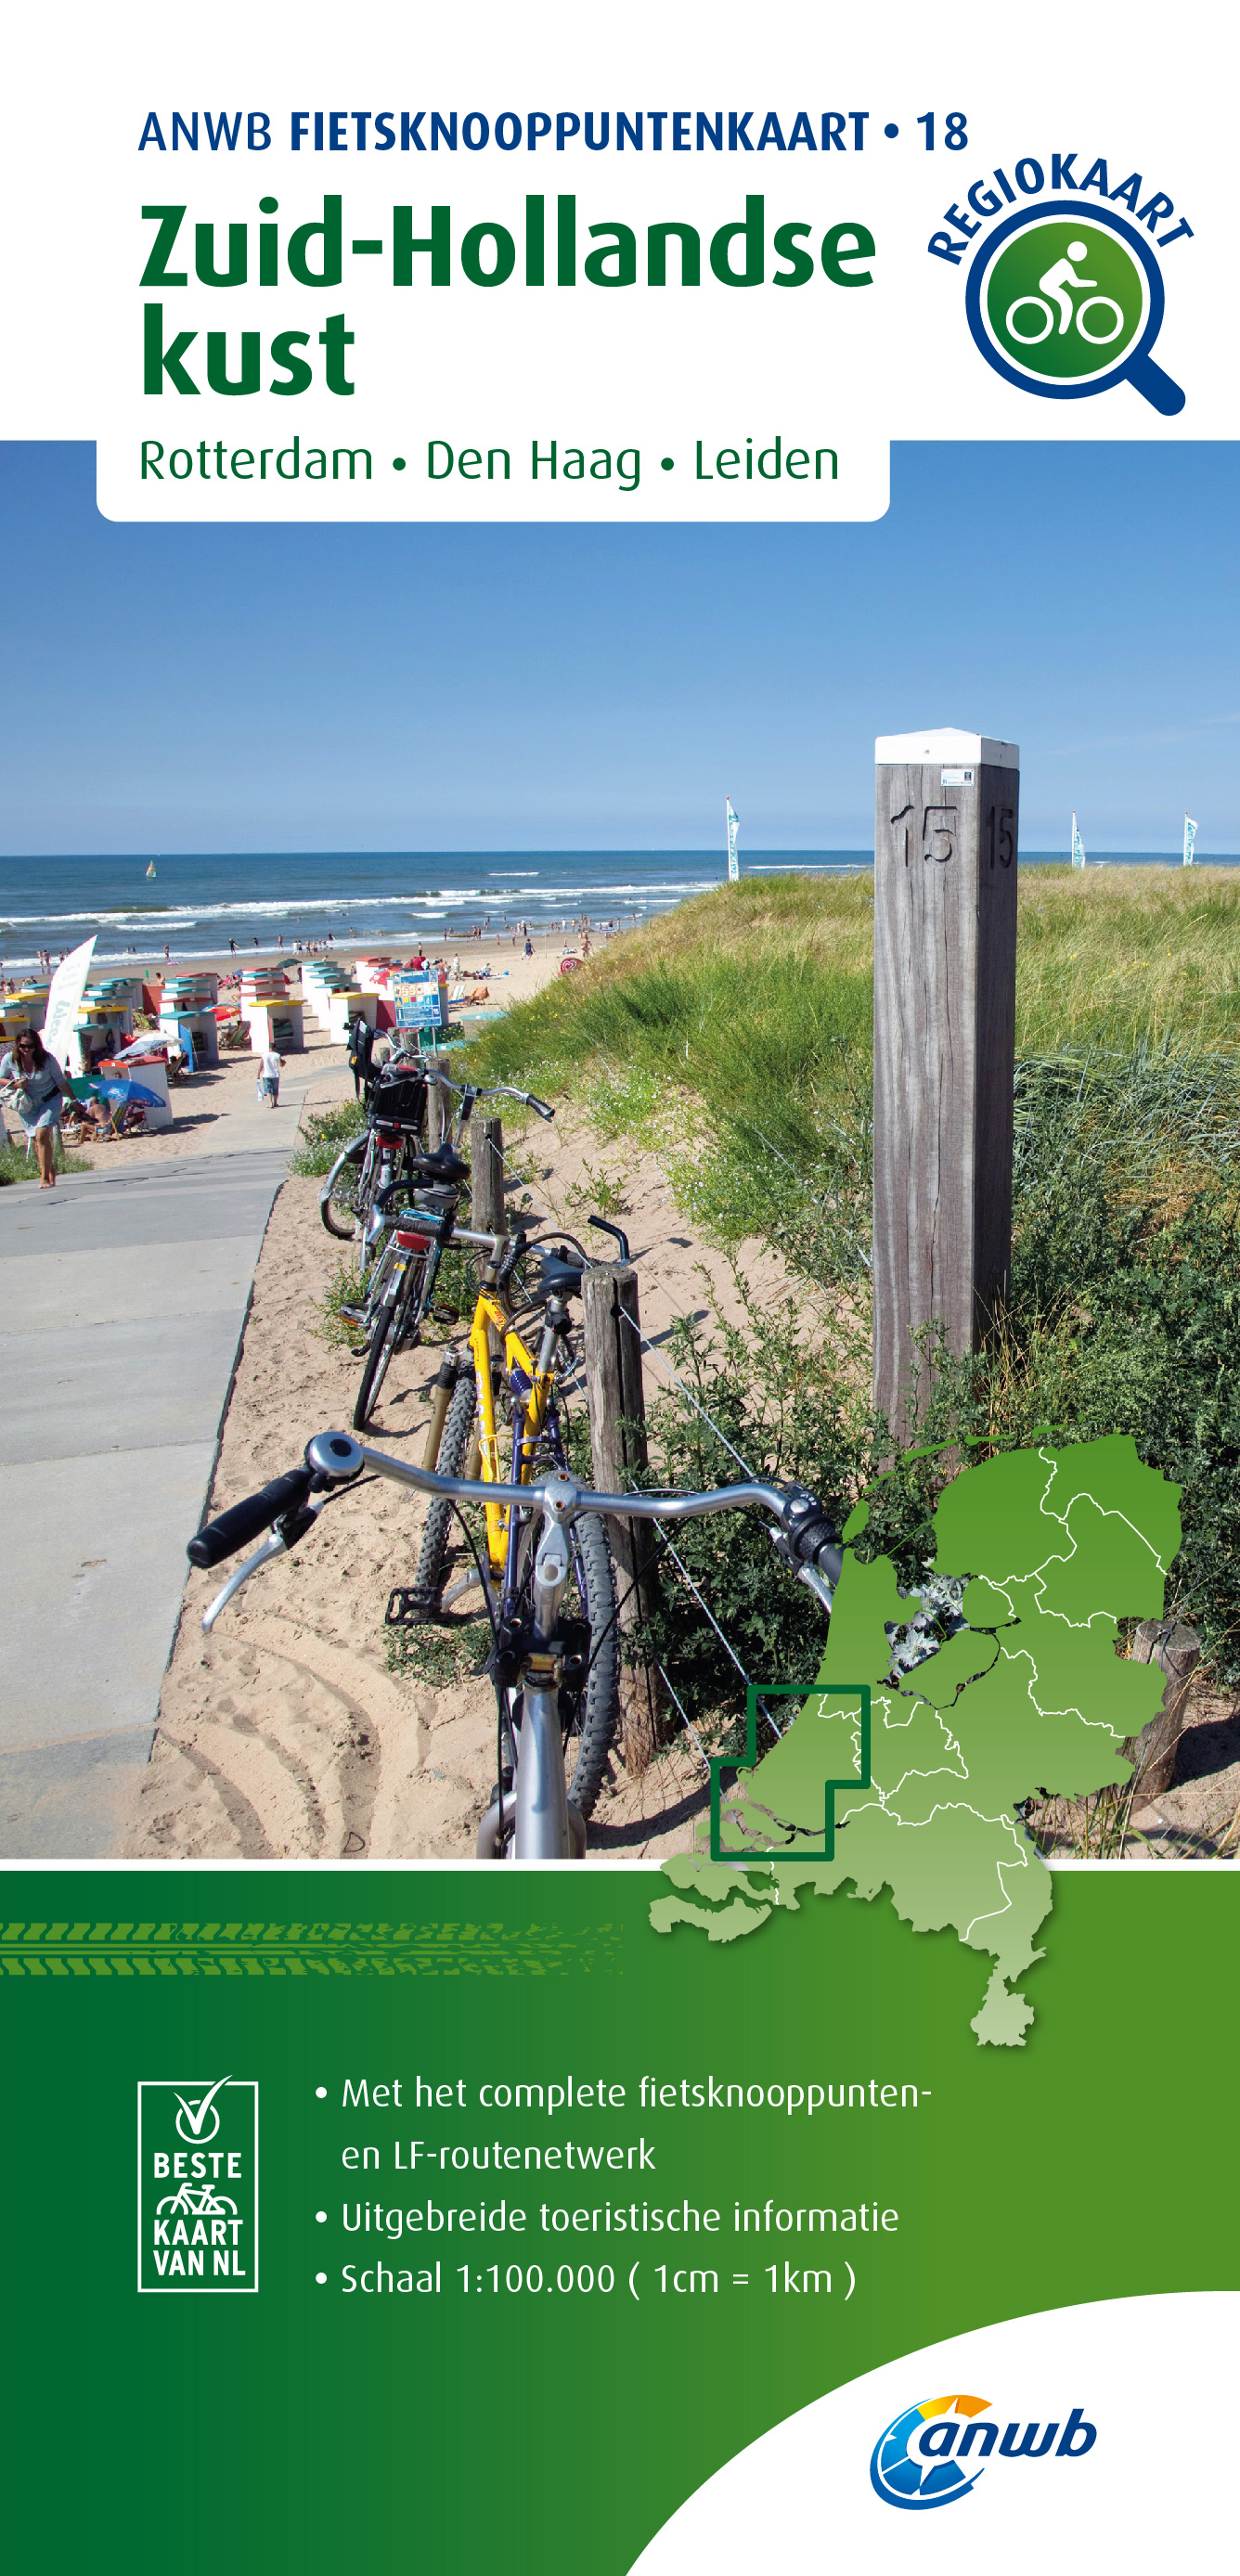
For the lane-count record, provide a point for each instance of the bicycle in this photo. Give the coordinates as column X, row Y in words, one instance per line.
column 383, row 1155
column 405, row 1239
column 531, row 1816
column 464, row 1429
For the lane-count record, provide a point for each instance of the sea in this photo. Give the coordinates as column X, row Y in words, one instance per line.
column 196, row 905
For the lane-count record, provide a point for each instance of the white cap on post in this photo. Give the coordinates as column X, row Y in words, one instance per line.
column 946, row 743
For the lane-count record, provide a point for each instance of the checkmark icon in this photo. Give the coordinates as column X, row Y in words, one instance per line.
column 196, row 2117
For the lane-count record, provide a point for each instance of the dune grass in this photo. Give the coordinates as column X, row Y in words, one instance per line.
column 765, row 986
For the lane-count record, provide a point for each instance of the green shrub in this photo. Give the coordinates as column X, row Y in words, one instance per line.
column 323, row 1134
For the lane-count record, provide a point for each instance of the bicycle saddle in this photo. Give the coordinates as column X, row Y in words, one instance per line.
column 442, row 1165
column 556, row 1277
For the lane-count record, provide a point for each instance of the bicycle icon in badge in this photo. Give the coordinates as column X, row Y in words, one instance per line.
column 1064, row 304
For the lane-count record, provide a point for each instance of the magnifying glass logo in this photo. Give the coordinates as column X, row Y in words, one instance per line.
column 1065, row 304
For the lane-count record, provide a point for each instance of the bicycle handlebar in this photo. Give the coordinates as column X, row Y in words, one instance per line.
column 807, row 1539
column 335, row 1458
column 491, row 1091
column 221, row 1538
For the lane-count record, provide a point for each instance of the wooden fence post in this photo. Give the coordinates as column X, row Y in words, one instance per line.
column 436, row 1106
column 487, row 1183
column 1177, row 1652
column 616, row 1401
column 945, row 840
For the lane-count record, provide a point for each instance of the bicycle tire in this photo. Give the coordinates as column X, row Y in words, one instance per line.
column 428, row 1580
column 390, row 1329
column 378, row 1359
column 594, row 1719
column 340, row 1208
column 590, row 1718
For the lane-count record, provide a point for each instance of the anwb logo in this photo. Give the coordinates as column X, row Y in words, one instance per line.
column 936, row 2452
column 198, row 2185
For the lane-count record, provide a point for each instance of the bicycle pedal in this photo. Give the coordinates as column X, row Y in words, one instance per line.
column 408, row 1607
column 351, row 1314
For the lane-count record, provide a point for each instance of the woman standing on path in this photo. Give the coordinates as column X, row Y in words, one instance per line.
column 40, row 1099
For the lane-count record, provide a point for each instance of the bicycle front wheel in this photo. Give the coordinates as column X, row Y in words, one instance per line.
column 395, row 1321
column 432, row 1568
column 341, row 1200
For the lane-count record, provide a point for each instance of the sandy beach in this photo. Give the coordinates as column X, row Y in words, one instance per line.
column 513, row 975
column 217, row 1111
column 500, row 951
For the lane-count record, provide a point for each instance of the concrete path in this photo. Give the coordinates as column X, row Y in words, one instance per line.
column 123, row 1294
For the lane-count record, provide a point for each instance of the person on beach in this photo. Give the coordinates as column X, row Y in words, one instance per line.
column 270, row 1068
column 40, row 1098
column 360, row 1049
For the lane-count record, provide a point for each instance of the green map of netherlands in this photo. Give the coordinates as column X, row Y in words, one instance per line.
column 1056, row 1546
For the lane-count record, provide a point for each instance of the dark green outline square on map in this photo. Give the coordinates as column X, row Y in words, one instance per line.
column 732, row 1762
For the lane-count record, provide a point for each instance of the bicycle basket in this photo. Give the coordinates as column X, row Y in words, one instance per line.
column 400, row 1101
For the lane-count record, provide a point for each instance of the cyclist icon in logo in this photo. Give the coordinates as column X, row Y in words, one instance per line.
column 197, row 2200
column 1059, row 281
column 1064, row 302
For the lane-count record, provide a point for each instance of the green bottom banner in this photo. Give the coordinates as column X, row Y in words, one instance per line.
column 479, row 2222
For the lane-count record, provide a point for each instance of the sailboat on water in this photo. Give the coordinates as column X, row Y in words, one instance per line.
column 151, row 869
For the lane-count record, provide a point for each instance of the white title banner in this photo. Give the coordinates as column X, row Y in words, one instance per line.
column 470, row 266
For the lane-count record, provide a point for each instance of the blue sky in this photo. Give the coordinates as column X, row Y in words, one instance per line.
column 417, row 688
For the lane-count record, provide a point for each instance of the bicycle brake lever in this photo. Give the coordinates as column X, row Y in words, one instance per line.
column 274, row 1546
column 819, row 1584
column 284, row 1537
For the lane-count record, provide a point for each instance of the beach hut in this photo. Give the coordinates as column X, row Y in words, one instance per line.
column 275, row 1019
column 26, row 1008
column 334, row 998
column 187, row 1018
column 139, row 1080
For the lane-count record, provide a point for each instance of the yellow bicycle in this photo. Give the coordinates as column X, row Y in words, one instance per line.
column 499, row 1394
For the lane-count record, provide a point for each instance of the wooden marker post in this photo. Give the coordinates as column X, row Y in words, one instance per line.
column 616, row 1402
column 945, row 840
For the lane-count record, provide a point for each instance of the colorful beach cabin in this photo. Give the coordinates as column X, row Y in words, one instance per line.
column 187, row 1018
column 333, row 997
column 275, row 1019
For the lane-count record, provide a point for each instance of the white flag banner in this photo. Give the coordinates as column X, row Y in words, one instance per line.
column 64, row 1000
column 1078, row 846
column 734, row 825
column 1190, row 835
